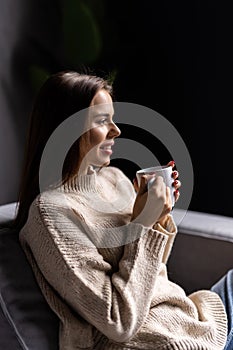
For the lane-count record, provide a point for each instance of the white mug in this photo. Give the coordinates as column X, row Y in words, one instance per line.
column 165, row 171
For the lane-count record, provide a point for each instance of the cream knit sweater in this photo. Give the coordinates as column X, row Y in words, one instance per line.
column 106, row 278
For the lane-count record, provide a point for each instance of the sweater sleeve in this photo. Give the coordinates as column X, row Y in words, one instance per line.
column 170, row 230
column 115, row 302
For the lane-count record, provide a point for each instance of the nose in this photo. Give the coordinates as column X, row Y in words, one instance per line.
column 114, row 131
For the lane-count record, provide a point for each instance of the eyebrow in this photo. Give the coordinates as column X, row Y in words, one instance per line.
column 101, row 115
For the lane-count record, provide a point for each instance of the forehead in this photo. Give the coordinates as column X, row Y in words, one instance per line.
column 101, row 103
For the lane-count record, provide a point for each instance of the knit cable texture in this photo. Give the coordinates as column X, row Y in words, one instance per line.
column 106, row 277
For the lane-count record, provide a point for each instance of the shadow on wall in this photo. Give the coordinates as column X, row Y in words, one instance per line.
column 37, row 38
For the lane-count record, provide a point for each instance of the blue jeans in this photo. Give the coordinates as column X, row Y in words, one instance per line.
column 224, row 288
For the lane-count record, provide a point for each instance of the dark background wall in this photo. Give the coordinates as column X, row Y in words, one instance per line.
column 29, row 36
column 174, row 57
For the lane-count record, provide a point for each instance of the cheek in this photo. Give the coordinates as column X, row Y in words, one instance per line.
column 96, row 136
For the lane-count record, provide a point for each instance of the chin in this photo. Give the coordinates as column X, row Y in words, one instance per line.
column 104, row 164
column 101, row 164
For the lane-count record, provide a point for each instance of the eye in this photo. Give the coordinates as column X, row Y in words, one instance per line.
column 102, row 121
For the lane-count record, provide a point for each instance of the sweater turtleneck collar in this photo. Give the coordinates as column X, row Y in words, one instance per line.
column 84, row 182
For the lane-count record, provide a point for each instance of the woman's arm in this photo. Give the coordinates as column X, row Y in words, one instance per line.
column 115, row 303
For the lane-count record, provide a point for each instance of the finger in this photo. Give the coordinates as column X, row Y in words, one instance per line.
column 168, row 202
column 158, row 181
column 143, row 185
column 168, row 197
column 135, row 184
column 176, row 195
column 159, row 188
column 176, row 184
column 171, row 163
column 175, row 174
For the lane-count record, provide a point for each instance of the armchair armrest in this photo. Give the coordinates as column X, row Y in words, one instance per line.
column 203, row 250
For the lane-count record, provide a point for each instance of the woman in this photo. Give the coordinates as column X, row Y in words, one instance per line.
column 97, row 249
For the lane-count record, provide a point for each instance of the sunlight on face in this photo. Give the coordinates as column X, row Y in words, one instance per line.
column 96, row 145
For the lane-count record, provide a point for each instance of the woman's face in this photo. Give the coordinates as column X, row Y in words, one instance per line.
column 96, row 145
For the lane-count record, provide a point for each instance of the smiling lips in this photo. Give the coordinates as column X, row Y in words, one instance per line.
column 107, row 147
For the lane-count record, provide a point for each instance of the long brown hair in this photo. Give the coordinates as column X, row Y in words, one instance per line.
column 63, row 94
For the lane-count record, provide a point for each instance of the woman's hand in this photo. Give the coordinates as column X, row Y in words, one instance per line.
column 162, row 206
column 151, row 204
column 176, row 184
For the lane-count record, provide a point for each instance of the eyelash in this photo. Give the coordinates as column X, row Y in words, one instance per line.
column 102, row 121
